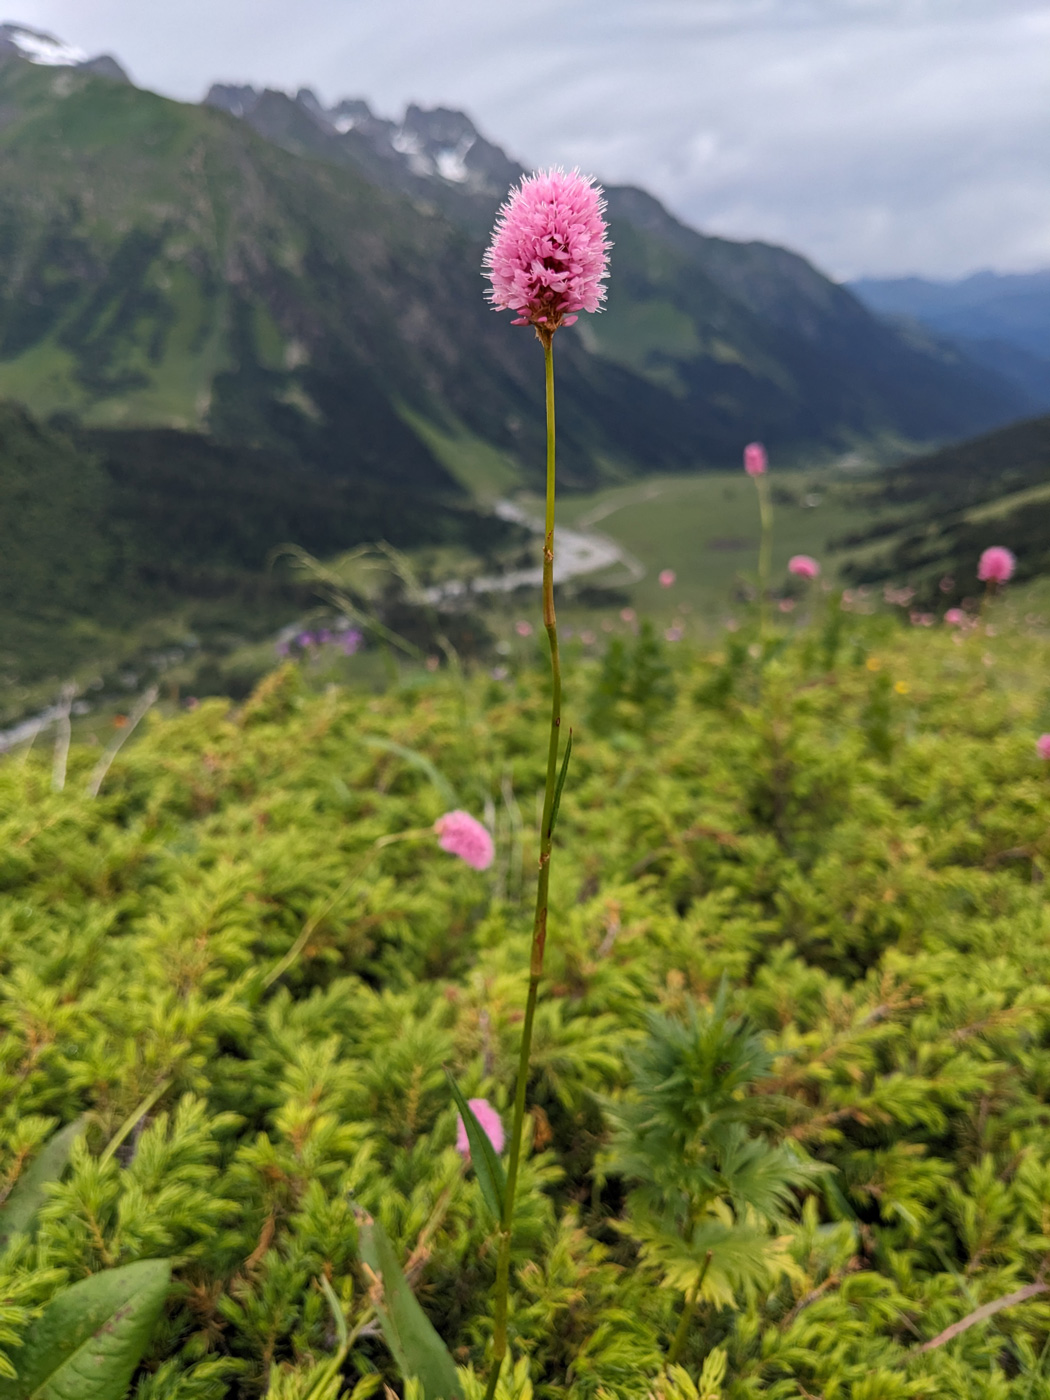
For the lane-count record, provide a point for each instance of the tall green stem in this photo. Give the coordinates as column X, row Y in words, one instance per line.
column 539, row 925
column 765, row 548
column 692, row 1299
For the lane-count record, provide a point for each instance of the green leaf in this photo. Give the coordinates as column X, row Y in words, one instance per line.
column 416, row 760
column 483, row 1155
column 556, row 804
column 90, row 1338
column 409, row 1333
column 28, row 1194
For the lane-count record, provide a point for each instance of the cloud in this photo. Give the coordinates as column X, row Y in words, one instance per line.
column 876, row 136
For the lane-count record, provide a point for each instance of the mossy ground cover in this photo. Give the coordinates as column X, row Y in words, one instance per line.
column 845, row 838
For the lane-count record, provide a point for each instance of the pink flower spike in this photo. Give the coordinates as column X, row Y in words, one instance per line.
column 491, row 1126
column 464, row 836
column 1042, row 746
column 803, row 566
column 666, row 578
column 756, row 463
column 996, row 565
column 549, row 252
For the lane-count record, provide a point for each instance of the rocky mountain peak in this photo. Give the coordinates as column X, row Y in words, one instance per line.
column 35, row 46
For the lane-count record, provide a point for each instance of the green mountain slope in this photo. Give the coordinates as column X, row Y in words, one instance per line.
column 943, row 508
column 105, row 529
column 741, row 340
column 164, row 265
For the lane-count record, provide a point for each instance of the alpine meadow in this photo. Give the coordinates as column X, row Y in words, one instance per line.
column 524, row 780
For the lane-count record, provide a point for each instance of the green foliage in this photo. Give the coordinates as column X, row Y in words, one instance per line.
column 707, row 1183
column 863, row 940
column 418, row 1350
column 491, row 1177
column 90, row 1337
column 635, row 685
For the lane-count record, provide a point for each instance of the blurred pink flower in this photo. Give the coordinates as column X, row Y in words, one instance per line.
column 491, row 1126
column 464, row 836
column 786, row 605
column 674, row 634
column 996, row 565
column 756, row 463
column 549, row 251
column 803, row 566
column 627, row 614
column 955, row 617
column 523, row 629
column 667, row 578
column 1042, row 746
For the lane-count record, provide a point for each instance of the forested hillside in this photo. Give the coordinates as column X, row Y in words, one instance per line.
column 936, row 512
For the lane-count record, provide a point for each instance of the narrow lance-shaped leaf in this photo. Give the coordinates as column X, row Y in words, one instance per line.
column 483, row 1156
column 28, row 1193
column 90, row 1338
column 409, row 1333
column 556, row 804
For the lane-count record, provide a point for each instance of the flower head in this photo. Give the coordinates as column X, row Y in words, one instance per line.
column 1042, row 746
column 803, row 566
column 955, row 617
column 666, row 578
column 549, row 251
column 996, row 565
column 756, row 463
column 464, row 836
column 491, row 1126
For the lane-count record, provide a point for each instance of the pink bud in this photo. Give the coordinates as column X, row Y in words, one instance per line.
column 667, row 578
column 803, row 566
column 996, row 565
column 755, row 461
column 463, row 835
column 491, row 1126
column 1042, row 746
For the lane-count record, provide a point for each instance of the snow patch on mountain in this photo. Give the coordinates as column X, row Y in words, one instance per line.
column 40, row 48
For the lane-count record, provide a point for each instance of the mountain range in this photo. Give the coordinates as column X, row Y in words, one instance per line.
column 275, row 272
column 263, row 289
column 1001, row 320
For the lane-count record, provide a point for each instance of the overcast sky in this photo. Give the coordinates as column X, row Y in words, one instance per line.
column 877, row 137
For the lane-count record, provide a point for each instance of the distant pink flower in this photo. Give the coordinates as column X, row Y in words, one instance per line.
column 674, row 634
column 955, row 617
column 996, row 565
column 756, row 463
column 464, row 836
column 523, row 628
column 549, row 251
column 666, row 578
column 786, row 605
column 627, row 614
column 491, row 1126
column 803, row 566
column 1042, row 746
